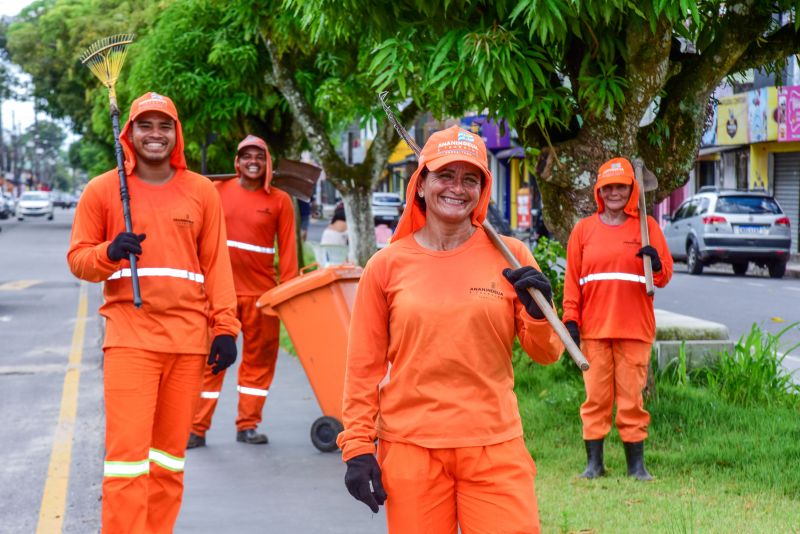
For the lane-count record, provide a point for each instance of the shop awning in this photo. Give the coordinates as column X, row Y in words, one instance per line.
column 705, row 151
column 401, row 153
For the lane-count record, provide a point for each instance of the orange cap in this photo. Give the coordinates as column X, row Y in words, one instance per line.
column 618, row 171
column 152, row 101
column 442, row 148
column 254, row 141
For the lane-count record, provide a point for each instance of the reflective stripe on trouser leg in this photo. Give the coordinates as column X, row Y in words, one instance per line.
column 206, row 403
column 482, row 489
column 630, row 378
column 180, row 389
column 598, row 408
column 259, row 354
column 131, row 380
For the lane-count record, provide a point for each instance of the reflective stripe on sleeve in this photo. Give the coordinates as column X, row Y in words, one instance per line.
column 166, row 460
column 209, row 394
column 625, row 277
column 252, row 391
column 160, row 271
column 126, row 469
column 251, row 248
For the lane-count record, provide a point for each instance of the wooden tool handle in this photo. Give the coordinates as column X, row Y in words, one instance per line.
column 544, row 305
column 648, row 262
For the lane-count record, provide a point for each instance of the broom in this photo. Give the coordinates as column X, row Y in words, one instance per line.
column 105, row 58
column 559, row 328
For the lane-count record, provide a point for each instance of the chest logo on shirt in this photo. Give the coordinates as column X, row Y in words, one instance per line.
column 487, row 293
column 265, row 211
column 183, row 220
column 633, row 243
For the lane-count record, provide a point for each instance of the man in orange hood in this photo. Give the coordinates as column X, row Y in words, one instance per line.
column 256, row 216
column 606, row 306
column 154, row 356
column 439, row 310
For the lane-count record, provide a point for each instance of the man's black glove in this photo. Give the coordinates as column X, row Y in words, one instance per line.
column 363, row 471
column 574, row 332
column 526, row 277
column 223, row 353
column 124, row 244
column 655, row 261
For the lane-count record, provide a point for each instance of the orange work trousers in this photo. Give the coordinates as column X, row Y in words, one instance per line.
column 149, row 398
column 617, row 372
column 261, row 335
column 482, row 490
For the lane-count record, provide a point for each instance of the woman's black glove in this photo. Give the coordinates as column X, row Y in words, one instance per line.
column 526, row 277
column 574, row 332
column 363, row 481
column 655, row 261
column 125, row 244
column 222, row 354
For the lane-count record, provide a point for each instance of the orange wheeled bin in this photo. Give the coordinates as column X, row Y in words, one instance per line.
column 315, row 309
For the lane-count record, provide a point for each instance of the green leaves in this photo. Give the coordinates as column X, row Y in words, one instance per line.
column 603, row 91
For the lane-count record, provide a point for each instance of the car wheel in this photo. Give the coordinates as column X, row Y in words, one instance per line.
column 693, row 263
column 19, row 218
column 777, row 269
column 740, row 268
column 50, row 217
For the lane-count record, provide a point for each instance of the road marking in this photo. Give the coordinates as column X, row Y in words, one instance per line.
column 51, row 514
column 18, row 285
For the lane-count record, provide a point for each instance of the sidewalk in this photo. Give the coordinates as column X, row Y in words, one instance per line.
column 287, row 486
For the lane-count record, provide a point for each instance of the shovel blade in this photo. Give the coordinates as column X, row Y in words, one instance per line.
column 649, row 182
column 294, row 177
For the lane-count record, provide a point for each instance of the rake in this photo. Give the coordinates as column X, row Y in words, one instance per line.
column 573, row 349
column 105, row 59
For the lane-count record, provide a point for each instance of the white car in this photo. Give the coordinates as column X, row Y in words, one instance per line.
column 35, row 204
column 387, row 208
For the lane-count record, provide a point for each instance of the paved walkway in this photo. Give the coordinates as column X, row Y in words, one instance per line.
column 287, row 486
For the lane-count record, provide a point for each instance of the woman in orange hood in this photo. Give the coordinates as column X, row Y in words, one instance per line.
column 607, row 308
column 429, row 369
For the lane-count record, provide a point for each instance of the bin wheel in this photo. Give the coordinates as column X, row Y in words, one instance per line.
column 324, row 432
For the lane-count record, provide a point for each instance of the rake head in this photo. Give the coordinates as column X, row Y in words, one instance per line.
column 106, row 56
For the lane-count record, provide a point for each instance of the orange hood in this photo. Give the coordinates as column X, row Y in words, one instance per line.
column 153, row 102
column 445, row 147
column 252, row 140
column 618, row 171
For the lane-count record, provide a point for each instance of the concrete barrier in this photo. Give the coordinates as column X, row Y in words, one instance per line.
column 701, row 340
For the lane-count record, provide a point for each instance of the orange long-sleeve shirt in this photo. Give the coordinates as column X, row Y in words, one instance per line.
column 446, row 322
column 184, row 269
column 604, row 289
column 254, row 219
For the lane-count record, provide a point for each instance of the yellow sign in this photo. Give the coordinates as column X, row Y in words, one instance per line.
column 400, row 152
column 732, row 120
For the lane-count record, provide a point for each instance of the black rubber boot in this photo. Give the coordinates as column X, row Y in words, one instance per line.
column 195, row 441
column 634, row 454
column 251, row 436
column 594, row 456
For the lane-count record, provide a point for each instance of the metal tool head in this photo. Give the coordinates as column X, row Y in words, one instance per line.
column 106, row 57
column 647, row 180
column 297, row 178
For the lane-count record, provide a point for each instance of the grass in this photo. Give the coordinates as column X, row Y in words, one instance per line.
column 719, row 467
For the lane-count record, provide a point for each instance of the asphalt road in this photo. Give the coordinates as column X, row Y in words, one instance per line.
column 286, row 486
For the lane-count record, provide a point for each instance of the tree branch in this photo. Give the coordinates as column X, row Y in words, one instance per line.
column 780, row 44
column 386, row 138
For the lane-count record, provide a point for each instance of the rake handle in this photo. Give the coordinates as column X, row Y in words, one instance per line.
column 125, row 197
column 546, row 307
column 648, row 262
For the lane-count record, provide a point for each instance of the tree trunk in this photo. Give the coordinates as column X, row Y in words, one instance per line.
column 360, row 226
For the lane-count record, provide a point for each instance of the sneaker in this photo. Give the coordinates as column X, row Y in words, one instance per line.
column 195, row 441
column 251, row 436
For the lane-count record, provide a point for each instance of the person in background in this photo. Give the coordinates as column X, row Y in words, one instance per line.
column 305, row 217
column 610, row 316
column 439, row 309
column 336, row 232
column 154, row 356
column 257, row 216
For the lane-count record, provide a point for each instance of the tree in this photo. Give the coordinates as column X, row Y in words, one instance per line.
column 574, row 79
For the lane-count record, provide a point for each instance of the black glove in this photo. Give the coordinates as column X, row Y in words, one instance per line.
column 223, row 353
column 574, row 332
column 361, row 471
column 124, row 244
column 526, row 277
column 655, row 261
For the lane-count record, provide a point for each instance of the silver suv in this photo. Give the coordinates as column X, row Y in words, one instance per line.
column 727, row 226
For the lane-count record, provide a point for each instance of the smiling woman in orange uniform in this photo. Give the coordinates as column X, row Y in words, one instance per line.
column 438, row 311
column 607, row 308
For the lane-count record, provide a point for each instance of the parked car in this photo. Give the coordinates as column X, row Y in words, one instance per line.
column 6, row 206
column 728, row 226
column 387, row 208
column 35, row 204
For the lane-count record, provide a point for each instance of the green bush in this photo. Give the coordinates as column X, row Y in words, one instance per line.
column 552, row 258
column 754, row 375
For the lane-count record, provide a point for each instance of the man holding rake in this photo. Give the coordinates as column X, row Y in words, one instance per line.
column 154, row 355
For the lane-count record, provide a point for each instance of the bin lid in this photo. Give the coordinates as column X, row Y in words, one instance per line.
column 308, row 282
